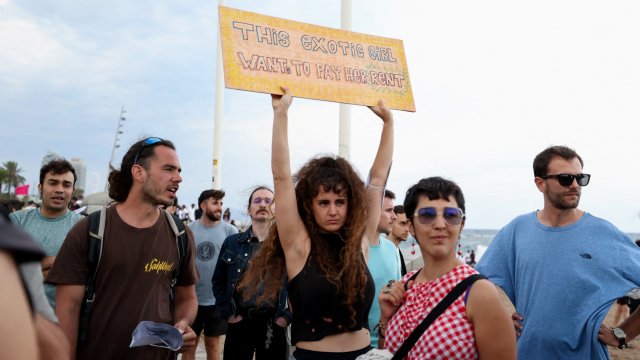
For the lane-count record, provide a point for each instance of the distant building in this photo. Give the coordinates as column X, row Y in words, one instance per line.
column 78, row 164
column 94, row 183
column 81, row 173
column 50, row 156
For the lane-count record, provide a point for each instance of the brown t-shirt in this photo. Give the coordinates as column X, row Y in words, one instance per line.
column 132, row 283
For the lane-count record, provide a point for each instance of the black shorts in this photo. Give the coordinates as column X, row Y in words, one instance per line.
column 209, row 319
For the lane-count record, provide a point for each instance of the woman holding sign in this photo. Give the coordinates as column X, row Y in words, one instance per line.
column 320, row 242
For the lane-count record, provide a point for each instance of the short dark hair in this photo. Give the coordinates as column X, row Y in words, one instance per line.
column 57, row 167
column 398, row 209
column 15, row 204
column 542, row 160
column 120, row 181
column 216, row 194
column 433, row 188
column 389, row 194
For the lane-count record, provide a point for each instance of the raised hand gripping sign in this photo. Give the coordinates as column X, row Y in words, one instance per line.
column 261, row 53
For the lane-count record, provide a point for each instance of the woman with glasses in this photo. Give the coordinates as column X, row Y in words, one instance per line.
column 475, row 325
column 325, row 216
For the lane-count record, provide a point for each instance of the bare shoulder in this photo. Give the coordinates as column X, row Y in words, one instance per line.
column 483, row 288
column 482, row 295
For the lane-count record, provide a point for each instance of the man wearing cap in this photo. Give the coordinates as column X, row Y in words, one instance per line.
column 133, row 281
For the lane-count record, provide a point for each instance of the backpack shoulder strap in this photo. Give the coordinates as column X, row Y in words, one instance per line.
column 97, row 222
column 95, row 231
column 181, row 243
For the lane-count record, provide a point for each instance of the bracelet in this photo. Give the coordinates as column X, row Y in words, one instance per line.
column 381, row 189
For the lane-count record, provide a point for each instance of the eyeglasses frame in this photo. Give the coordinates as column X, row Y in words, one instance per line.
column 573, row 178
column 462, row 215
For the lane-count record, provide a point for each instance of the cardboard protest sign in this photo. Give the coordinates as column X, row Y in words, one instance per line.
column 261, row 53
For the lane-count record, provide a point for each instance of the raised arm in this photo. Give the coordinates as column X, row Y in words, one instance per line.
column 291, row 231
column 379, row 173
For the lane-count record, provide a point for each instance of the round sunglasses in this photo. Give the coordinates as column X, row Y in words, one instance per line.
column 451, row 215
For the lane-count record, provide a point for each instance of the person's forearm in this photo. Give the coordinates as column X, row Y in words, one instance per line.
column 69, row 300
column 186, row 306
column 186, row 313
column 280, row 162
column 69, row 318
column 631, row 325
column 382, row 163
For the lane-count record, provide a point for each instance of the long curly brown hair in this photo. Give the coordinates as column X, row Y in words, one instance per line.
column 267, row 269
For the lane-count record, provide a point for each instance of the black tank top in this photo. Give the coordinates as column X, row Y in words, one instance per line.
column 318, row 305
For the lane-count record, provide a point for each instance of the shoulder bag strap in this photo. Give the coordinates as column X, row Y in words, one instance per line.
column 433, row 315
column 95, row 243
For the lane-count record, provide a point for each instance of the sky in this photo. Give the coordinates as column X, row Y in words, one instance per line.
column 494, row 83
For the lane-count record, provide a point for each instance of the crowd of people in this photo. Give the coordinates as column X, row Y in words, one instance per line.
column 320, row 260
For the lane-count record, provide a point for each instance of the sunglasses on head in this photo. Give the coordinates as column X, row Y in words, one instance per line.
column 259, row 200
column 451, row 215
column 147, row 142
column 567, row 179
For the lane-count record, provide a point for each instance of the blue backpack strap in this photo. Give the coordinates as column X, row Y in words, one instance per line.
column 95, row 231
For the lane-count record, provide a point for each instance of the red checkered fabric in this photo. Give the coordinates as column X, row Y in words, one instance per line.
column 450, row 336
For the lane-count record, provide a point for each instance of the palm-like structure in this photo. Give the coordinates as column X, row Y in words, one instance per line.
column 11, row 175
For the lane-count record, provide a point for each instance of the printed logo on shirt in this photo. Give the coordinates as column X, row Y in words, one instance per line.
column 205, row 251
column 585, row 256
column 157, row 266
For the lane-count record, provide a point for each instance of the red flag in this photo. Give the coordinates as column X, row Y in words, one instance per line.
column 22, row 190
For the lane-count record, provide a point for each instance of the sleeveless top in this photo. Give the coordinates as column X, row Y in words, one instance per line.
column 450, row 336
column 317, row 305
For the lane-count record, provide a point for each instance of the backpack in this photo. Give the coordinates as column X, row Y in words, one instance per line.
column 96, row 227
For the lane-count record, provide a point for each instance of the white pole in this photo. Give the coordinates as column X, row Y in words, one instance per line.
column 345, row 110
column 216, row 179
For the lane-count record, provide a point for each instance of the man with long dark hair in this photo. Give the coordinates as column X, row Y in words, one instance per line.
column 133, row 281
column 253, row 328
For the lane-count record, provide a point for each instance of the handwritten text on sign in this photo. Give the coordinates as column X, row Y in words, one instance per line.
column 261, row 53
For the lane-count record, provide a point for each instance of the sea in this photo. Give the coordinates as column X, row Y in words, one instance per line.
column 477, row 240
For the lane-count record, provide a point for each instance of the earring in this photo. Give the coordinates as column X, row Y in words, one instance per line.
column 459, row 247
column 413, row 247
